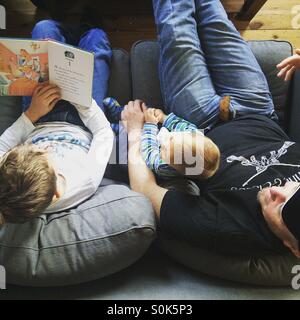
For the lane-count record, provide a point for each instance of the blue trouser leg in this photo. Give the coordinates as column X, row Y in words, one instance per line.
column 232, row 65
column 186, row 84
column 51, row 29
column 96, row 40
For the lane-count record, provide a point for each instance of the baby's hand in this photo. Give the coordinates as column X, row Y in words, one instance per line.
column 160, row 115
column 150, row 116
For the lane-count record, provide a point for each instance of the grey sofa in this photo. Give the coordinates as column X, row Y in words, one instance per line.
column 156, row 276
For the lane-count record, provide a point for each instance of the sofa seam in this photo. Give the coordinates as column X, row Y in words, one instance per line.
column 132, row 68
column 102, row 204
column 147, row 226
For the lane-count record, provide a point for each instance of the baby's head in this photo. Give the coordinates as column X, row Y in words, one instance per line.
column 27, row 184
column 190, row 153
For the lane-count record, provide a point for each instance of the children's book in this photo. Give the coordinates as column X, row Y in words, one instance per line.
column 26, row 63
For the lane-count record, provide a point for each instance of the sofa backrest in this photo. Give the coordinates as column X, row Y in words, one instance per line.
column 135, row 76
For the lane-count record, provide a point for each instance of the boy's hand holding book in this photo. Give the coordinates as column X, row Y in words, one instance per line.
column 44, row 99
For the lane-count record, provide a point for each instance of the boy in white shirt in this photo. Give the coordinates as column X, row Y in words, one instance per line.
column 55, row 155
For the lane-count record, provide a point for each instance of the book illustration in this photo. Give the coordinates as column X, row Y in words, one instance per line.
column 23, row 64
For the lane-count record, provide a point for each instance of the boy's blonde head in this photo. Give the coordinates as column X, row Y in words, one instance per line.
column 27, row 184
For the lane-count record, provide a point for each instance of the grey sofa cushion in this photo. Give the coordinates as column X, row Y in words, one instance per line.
column 103, row 235
column 144, row 69
column 262, row 271
column 269, row 54
column 10, row 110
column 273, row 270
column 145, row 56
column 120, row 77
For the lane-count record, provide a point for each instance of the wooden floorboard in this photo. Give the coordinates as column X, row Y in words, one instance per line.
column 129, row 21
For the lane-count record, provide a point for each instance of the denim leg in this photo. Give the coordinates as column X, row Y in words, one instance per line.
column 51, row 29
column 233, row 67
column 96, row 40
column 54, row 30
column 186, row 84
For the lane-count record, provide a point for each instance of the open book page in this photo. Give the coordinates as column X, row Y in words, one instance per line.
column 23, row 64
column 72, row 70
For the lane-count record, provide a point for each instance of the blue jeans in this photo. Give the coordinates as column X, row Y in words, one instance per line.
column 202, row 59
column 94, row 40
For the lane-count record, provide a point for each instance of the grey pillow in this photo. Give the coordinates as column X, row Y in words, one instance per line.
column 263, row 271
column 10, row 110
column 101, row 236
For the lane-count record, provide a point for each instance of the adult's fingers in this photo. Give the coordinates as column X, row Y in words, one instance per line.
column 130, row 105
column 297, row 51
column 124, row 114
column 138, row 105
column 287, row 61
column 289, row 74
column 282, row 73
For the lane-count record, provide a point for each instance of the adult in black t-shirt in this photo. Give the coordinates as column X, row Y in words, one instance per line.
column 203, row 58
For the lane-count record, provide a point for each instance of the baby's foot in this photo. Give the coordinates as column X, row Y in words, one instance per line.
column 224, row 114
column 113, row 110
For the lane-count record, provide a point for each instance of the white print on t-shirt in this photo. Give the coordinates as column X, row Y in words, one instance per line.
column 277, row 182
column 265, row 162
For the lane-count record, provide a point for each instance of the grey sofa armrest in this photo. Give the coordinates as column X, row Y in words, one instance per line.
column 294, row 127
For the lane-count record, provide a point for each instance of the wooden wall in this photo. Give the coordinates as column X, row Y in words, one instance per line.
column 127, row 21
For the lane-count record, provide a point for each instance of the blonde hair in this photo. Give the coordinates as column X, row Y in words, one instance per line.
column 27, row 184
column 211, row 157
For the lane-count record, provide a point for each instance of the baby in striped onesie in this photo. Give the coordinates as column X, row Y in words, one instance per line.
column 176, row 149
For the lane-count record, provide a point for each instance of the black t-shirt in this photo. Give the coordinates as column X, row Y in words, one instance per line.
column 227, row 218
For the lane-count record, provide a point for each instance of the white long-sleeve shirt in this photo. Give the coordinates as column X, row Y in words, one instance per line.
column 80, row 156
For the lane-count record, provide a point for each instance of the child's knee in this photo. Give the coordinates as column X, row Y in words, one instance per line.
column 95, row 38
column 44, row 25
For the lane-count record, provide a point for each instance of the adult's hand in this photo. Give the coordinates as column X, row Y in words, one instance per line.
column 288, row 66
column 44, row 99
column 133, row 115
